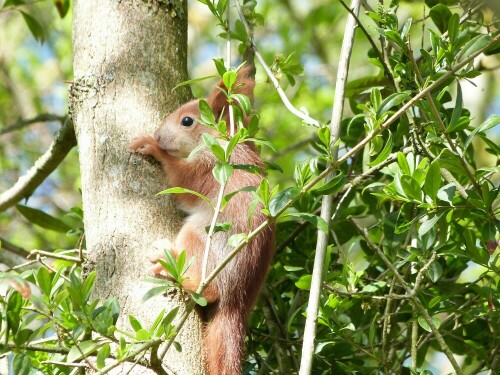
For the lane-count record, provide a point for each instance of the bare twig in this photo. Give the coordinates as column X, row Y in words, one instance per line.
column 48, row 254
column 43, row 117
column 63, row 142
column 66, row 364
column 304, row 116
column 10, row 247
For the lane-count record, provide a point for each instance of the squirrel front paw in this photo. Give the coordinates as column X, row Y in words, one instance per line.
column 157, row 269
column 143, row 144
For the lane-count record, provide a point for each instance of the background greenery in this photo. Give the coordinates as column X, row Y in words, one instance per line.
column 443, row 242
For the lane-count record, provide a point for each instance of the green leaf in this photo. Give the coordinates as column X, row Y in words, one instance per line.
column 179, row 190
column 453, row 27
column 253, row 125
column 451, row 161
column 199, row 299
column 457, row 111
column 42, row 219
column 221, row 6
column 319, row 222
column 403, row 164
column 490, row 122
column 423, row 323
column 244, row 102
column 207, row 117
column 236, row 239
column 434, row 272
column 44, row 280
column 376, row 98
column 62, row 7
column 324, row 136
column 134, row 323
column 393, row 36
column 22, row 336
column 446, row 193
column 333, row 186
column 411, row 188
column 477, row 254
column 34, row 26
column 229, row 79
column 220, row 66
column 169, row 318
column 157, row 290
column 222, row 172
column 428, row 224
column 191, row 81
column 281, row 199
column 240, row 32
column 391, row 101
column 14, row 310
column 177, row 346
column 218, row 151
column 21, row 364
column 9, row 3
column 386, row 151
column 81, row 350
column 440, row 15
column 102, row 355
column 142, row 335
column 433, row 180
column 474, row 45
column 304, row 282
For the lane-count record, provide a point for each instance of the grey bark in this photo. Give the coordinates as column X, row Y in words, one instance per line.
column 128, row 55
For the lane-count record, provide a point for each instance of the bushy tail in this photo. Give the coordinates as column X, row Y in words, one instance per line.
column 223, row 341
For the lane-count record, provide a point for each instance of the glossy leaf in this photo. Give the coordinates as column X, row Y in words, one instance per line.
column 42, row 219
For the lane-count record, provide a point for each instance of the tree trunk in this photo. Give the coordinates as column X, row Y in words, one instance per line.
column 127, row 57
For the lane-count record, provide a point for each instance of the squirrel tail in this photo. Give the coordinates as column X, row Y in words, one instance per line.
column 224, row 339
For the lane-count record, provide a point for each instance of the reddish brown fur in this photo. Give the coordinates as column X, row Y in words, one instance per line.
column 233, row 292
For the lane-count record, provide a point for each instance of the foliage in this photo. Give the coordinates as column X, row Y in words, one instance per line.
column 412, row 266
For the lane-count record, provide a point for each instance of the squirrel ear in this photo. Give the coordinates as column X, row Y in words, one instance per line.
column 218, row 100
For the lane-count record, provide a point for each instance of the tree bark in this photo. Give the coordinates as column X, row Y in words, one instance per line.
column 127, row 57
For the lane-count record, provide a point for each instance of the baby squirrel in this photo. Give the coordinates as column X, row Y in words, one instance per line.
column 233, row 292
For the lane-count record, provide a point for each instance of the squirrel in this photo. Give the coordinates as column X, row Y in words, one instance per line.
column 231, row 295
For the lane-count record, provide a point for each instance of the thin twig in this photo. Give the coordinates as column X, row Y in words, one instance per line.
column 63, row 142
column 48, row 254
column 66, row 364
column 43, row 117
column 10, row 247
column 304, row 116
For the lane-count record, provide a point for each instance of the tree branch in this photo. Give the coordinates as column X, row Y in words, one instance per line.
column 63, row 142
column 43, row 117
column 327, row 201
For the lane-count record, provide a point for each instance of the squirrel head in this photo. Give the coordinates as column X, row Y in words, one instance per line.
column 181, row 132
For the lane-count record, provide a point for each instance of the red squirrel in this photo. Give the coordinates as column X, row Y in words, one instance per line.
column 233, row 292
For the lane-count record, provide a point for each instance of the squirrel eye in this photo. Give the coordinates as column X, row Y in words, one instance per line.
column 187, row 121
